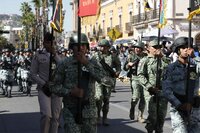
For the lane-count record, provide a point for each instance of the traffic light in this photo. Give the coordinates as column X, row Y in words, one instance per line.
column 4, row 32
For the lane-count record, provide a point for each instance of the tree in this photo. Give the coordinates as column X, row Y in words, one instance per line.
column 3, row 41
column 28, row 21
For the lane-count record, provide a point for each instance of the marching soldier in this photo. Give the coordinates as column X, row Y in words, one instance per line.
column 19, row 59
column 109, row 62
column 174, row 89
column 25, row 72
column 147, row 73
column 137, row 91
column 50, row 104
column 65, row 84
column 7, row 63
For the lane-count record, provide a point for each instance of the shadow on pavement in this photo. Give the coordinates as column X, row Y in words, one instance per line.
column 21, row 123
column 118, row 126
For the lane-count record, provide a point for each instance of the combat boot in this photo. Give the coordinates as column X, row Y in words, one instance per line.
column 105, row 119
column 140, row 117
column 132, row 111
column 9, row 94
column 99, row 117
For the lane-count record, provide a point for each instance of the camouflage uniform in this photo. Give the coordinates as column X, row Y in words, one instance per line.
column 174, row 89
column 103, row 92
column 136, row 89
column 147, row 78
column 66, row 80
column 66, row 77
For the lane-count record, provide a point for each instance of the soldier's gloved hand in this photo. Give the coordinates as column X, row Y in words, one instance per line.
column 77, row 92
column 185, row 107
column 153, row 90
column 46, row 90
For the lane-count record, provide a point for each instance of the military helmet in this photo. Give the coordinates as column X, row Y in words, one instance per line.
column 73, row 40
column 6, row 50
column 139, row 45
column 27, row 50
column 104, row 42
column 179, row 42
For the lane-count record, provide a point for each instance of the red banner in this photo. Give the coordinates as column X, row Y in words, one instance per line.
column 88, row 7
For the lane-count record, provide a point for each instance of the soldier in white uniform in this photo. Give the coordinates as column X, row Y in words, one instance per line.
column 50, row 106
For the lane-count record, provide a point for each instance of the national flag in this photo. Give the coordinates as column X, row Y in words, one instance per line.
column 193, row 13
column 57, row 22
column 162, row 17
column 147, row 6
column 194, row 9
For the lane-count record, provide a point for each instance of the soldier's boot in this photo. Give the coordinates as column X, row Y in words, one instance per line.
column 9, row 94
column 132, row 111
column 140, row 117
column 148, row 131
column 6, row 91
column 105, row 119
column 99, row 117
column 3, row 93
column 9, row 91
column 28, row 91
column 99, row 104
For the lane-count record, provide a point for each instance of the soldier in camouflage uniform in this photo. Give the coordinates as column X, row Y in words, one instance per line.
column 103, row 92
column 147, row 72
column 137, row 91
column 174, row 89
column 65, row 84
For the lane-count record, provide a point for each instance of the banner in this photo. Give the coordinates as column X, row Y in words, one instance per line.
column 57, row 22
column 88, row 8
column 195, row 9
column 162, row 17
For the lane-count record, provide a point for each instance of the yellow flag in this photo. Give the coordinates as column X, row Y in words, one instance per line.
column 57, row 22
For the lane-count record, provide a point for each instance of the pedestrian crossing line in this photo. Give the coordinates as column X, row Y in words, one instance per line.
column 127, row 110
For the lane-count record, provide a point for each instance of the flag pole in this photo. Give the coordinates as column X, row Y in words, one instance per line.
column 158, row 75
column 79, row 104
column 52, row 33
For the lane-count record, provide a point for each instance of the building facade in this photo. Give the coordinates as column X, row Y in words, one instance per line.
column 131, row 19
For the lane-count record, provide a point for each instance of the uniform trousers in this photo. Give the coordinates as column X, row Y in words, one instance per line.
column 180, row 120
column 50, row 109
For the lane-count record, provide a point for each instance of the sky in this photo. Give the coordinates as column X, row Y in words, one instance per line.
column 13, row 7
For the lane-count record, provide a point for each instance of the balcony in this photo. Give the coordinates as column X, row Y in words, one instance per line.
column 119, row 28
column 108, row 29
column 129, row 27
column 147, row 16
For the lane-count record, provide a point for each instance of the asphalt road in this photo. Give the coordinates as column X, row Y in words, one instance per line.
column 20, row 114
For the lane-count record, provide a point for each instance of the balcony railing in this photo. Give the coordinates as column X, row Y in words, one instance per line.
column 147, row 16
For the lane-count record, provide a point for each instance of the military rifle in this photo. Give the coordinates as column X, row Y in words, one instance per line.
column 107, row 68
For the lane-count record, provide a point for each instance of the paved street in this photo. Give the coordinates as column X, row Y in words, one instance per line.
column 20, row 114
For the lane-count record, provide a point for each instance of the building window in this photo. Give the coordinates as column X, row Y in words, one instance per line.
column 111, row 23
column 85, row 29
column 103, row 24
column 130, row 17
column 120, row 21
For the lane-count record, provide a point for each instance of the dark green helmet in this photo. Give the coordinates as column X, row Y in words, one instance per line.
column 179, row 42
column 73, row 40
column 139, row 45
column 104, row 42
